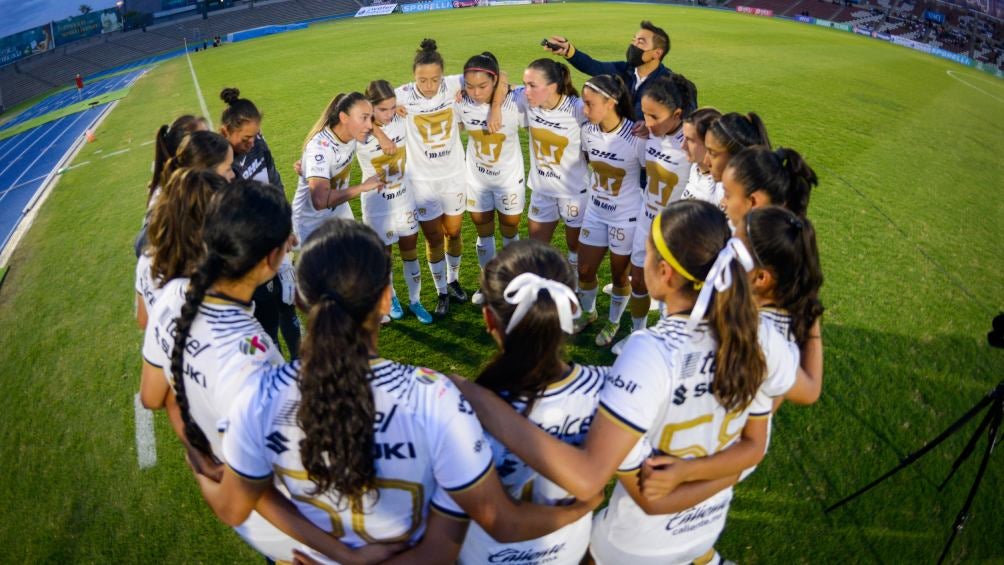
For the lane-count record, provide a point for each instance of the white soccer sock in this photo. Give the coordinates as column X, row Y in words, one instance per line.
column 438, row 275
column 587, row 299
column 507, row 240
column 573, row 261
column 486, row 249
column 413, row 278
column 618, row 302
column 452, row 267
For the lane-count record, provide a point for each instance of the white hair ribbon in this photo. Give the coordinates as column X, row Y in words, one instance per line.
column 523, row 290
column 720, row 277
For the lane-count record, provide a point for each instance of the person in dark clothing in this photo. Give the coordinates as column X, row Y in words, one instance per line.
column 642, row 64
column 241, row 125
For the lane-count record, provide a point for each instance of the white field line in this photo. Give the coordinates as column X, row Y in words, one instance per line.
column 198, row 89
column 146, row 441
column 973, row 86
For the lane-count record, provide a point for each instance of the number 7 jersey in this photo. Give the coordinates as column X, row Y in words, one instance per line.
column 427, row 444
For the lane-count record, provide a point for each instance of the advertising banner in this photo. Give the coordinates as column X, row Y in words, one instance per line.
column 427, row 6
column 86, row 25
column 805, row 19
column 380, row 10
column 755, row 11
column 957, row 57
column 508, row 2
column 936, row 17
column 916, row 45
column 25, row 43
column 465, row 3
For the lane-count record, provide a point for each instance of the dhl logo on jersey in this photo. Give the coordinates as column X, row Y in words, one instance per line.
column 488, row 146
column 435, row 128
column 548, row 147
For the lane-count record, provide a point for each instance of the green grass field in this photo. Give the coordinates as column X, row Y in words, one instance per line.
column 910, row 224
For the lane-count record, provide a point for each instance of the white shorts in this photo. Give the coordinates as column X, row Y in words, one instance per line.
column 303, row 227
column 545, row 208
column 641, row 232
column 597, row 233
column 434, row 198
column 508, row 198
column 394, row 226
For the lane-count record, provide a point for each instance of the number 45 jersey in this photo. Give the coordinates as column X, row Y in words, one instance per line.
column 428, row 444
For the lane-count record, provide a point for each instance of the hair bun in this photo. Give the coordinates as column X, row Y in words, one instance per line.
column 230, row 95
column 428, row 44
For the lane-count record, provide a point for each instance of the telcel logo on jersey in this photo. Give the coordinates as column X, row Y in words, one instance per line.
column 544, row 555
column 574, row 429
column 617, row 381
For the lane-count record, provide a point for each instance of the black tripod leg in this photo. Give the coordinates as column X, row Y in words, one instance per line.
column 970, row 447
column 960, row 520
column 906, row 461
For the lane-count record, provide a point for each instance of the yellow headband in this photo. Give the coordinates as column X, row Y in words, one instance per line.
column 660, row 245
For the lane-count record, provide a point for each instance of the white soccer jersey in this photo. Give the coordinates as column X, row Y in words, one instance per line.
column 493, row 159
column 147, row 288
column 667, row 171
column 557, row 167
column 395, row 196
column 616, row 159
column 428, row 443
column 434, row 148
column 565, row 410
column 226, row 349
column 328, row 158
column 661, row 388
column 700, row 186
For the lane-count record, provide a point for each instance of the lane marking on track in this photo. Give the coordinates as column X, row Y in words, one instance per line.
column 114, row 153
column 146, row 441
column 198, row 90
column 973, row 86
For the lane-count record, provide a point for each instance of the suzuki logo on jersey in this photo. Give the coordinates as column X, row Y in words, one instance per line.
column 617, row 381
column 400, row 450
column 680, row 394
column 548, row 147
column 276, row 442
column 535, row 556
column 488, row 146
column 507, row 467
column 435, row 128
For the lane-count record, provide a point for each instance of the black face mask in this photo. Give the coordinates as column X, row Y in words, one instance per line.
column 633, row 56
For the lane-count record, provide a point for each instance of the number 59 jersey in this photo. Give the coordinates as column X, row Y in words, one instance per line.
column 427, row 444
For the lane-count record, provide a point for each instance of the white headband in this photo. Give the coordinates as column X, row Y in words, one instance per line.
column 597, row 89
column 523, row 290
column 720, row 277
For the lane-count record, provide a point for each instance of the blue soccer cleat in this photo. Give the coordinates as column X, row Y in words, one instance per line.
column 420, row 312
column 396, row 312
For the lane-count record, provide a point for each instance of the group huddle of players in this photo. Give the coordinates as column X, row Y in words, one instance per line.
column 343, row 456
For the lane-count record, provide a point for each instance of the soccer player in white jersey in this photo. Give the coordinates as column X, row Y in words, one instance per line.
column 391, row 212
column 203, row 344
column 616, row 157
column 323, row 189
column 528, row 309
column 558, row 176
column 175, row 235
column 495, row 173
column 725, row 358
column 369, row 449
column 436, row 169
column 700, row 184
column 757, row 177
column 665, row 104
column 725, row 138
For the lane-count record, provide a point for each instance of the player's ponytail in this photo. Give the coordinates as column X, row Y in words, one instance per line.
column 556, row 73
column 782, row 175
column 329, row 118
column 532, row 350
column 166, row 143
column 613, row 87
column 673, row 92
column 785, row 244
column 342, row 275
column 427, row 54
column 378, row 91
column 245, row 222
column 702, row 118
column 737, row 132
column 175, row 231
column 238, row 111
column 696, row 234
column 201, row 150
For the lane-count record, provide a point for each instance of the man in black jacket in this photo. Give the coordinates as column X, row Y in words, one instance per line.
column 642, row 64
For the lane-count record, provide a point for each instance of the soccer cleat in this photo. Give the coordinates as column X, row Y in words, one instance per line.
column 396, row 312
column 420, row 312
column 442, row 305
column 619, row 346
column 584, row 320
column 607, row 334
column 608, row 289
column 478, row 298
column 456, row 292
column 385, row 319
